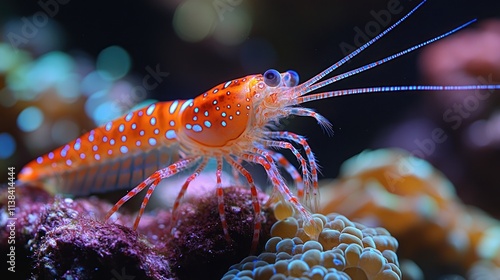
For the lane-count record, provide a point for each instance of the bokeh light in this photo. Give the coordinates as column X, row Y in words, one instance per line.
column 194, row 20
column 30, row 119
column 94, row 82
column 115, row 61
column 8, row 56
column 234, row 28
column 8, row 145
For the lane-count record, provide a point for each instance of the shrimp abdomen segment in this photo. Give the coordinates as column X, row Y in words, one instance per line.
column 114, row 156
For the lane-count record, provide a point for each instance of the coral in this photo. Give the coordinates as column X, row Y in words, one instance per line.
column 418, row 205
column 344, row 250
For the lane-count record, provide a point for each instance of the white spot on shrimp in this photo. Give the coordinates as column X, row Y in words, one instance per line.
column 247, row 99
column 186, row 104
column 91, row 136
column 172, row 123
column 197, row 128
column 170, row 134
column 195, row 118
column 214, row 102
column 173, row 106
column 51, row 155
column 109, row 125
column 188, row 126
column 97, row 157
column 138, row 143
column 248, row 107
column 231, row 117
column 228, row 106
column 105, row 139
column 156, row 131
column 223, row 114
column 69, row 162
column 238, row 112
column 196, row 110
column 77, row 145
column 223, row 123
column 123, row 149
column 129, row 116
column 121, row 128
column 39, row 160
column 150, row 109
column 112, row 142
column 228, row 92
column 134, row 126
column 216, row 90
column 140, row 113
column 238, row 105
column 206, row 113
column 227, row 84
column 124, row 138
column 152, row 141
column 94, row 148
column 110, row 152
column 141, row 133
column 152, row 121
column 207, row 123
column 82, row 156
column 217, row 108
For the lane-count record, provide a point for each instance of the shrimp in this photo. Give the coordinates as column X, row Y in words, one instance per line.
column 232, row 123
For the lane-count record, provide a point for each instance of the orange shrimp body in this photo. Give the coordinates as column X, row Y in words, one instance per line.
column 233, row 122
column 116, row 155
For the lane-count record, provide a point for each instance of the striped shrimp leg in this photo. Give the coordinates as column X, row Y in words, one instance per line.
column 290, row 169
column 183, row 190
column 152, row 181
column 312, row 202
column 255, row 201
column 220, row 198
column 264, row 158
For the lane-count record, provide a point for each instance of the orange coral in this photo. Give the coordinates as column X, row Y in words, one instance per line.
column 417, row 204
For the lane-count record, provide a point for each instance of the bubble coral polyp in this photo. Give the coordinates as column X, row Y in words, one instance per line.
column 344, row 250
column 418, row 205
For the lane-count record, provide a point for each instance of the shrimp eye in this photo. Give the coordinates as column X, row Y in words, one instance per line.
column 291, row 78
column 272, row 78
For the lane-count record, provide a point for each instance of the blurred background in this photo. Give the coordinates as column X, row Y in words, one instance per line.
column 67, row 66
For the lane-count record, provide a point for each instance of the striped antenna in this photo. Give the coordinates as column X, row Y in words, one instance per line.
column 336, row 65
column 384, row 60
column 335, row 93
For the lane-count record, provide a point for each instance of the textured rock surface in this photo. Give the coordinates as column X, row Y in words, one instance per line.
column 64, row 238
